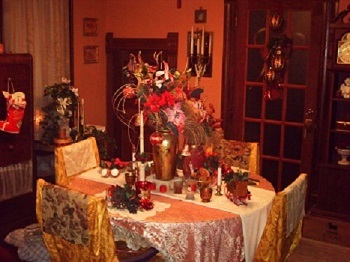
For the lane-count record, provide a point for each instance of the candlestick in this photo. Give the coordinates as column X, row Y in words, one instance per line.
column 142, row 142
column 218, row 190
column 192, row 44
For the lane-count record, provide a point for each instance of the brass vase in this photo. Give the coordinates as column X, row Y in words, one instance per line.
column 165, row 155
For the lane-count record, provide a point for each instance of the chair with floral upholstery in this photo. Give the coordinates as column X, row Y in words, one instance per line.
column 74, row 159
column 240, row 154
column 283, row 229
column 76, row 227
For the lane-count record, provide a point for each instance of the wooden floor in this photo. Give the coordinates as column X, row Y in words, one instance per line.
column 310, row 250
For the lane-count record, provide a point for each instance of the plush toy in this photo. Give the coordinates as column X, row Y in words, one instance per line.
column 15, row 105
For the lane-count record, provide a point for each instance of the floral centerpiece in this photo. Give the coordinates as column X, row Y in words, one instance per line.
column 166, row 99
column 167, row 103
column 59, row 111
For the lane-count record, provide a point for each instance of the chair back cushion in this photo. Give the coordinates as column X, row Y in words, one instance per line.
column 64, row 214
column 295, row 194
column 240, row 154
column 283, row 228
column 75, row 159
column 76, row 227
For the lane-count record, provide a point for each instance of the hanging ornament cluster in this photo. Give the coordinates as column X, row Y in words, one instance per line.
column 279, row 50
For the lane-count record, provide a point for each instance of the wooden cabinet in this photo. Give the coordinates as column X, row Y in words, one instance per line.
column 17, row 186
column 334, row 176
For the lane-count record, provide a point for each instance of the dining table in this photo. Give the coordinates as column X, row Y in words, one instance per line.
column 187, row 230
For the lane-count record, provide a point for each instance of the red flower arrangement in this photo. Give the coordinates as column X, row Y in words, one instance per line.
column 167, row 100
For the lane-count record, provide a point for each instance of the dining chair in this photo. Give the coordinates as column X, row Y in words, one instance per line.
column 283, row 229
column 240, row 154
column 76, row 227
column 74, row 159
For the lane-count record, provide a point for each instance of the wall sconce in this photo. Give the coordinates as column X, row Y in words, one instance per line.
column 199, row 53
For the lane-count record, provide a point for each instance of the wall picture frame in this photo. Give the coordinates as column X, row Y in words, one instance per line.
column 90, row 26
column 91, row 54
column 200, row 16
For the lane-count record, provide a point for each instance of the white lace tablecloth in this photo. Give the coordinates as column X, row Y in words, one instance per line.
column 193, row 236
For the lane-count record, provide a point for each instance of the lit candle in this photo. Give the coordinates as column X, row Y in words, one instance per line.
column 142, row 145
column 219, row 175
column 210, row 43
column 192, row 41
column 202, row 49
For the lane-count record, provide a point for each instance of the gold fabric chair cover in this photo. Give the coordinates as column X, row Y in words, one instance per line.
column 283, row 229
column 73, row 159
column 76, row 227
column 240, row 154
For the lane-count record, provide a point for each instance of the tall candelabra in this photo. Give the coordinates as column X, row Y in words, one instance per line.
column 200, row 53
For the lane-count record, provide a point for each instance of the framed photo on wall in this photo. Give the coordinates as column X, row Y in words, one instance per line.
column 200, row 16
column 90, row 54
column 90, row 26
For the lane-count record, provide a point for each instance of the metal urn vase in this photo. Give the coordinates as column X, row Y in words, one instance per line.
column 164, row 149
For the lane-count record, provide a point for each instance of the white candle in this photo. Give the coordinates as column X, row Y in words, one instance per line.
column 142, row 176
column 202, row 49
column 210, row 43
column 192, row 41
column 82, row 112
column 133, row 157
column 78, row 116
column 142, row 142
column 198, row 46
column 219, row 175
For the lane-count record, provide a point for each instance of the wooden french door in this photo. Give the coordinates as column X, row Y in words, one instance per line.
column 285, row 125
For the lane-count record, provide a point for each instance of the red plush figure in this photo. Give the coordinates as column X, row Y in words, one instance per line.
column 15, row 105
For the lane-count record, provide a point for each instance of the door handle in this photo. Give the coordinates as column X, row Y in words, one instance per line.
column 309, row 121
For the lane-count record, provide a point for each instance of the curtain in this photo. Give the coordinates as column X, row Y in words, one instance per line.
column 41, row 28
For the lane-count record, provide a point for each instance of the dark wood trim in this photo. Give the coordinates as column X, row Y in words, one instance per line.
column 230, row 105
column 71, row 40
column 1, row 19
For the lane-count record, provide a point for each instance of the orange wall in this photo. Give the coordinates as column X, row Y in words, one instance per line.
column 142, row 18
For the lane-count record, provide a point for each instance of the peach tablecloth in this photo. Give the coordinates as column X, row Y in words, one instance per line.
column 188, row 231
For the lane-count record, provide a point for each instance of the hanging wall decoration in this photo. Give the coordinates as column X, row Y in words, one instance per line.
column 275, row 62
